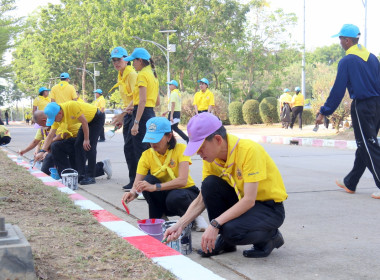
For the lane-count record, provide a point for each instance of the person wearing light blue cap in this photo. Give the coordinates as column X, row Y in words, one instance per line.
column 203, row 99
column 285, row 100
column 297, row 107
column 163, row 173
column 63, row 91
column 175, row 106
column 359, row 73
column 43, row 99
column 126, row 80
column 145, row 98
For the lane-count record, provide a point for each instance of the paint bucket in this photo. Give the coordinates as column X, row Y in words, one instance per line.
column 54, row 173
column 152, row 227
column 183, row 244
column 70, row 178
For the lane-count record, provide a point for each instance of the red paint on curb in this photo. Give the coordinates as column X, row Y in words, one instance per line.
column 341, row 144
column 40, row 175
column 151, row 247
column 317, row 142
column 104, row 216
column 77, row 196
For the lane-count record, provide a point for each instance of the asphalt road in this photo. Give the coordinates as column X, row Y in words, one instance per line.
column 328, row 233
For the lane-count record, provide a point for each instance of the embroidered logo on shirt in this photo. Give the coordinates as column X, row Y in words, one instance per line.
column 251, row 174
column 172, row 163
column 72, row 117
column 238, row 174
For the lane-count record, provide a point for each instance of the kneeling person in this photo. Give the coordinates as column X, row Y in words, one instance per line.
column 163, row 173
column 242, row 190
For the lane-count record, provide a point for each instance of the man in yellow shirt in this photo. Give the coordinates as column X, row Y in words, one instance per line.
column 285, row 101
column 100, row 103
column 63, row 91
column 43, row 99
column 297, row 107
column 28, row 117
column 203, row 99
column 126, row 81
column 242, row 190
column 91, row 119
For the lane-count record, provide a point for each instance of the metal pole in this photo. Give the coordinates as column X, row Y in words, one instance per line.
column 168, row 73
column 94, row 82
column 304, row 52
column 365, row 23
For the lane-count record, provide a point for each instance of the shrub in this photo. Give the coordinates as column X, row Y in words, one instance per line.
column 268, row 110
column 308, row 117
column 251, row 112
column 235, row 113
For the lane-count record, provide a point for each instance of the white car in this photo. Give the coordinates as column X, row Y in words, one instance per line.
column 110, row 113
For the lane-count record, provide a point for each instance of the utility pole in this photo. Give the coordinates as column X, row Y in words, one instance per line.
column 96, row 73
column 304, row 52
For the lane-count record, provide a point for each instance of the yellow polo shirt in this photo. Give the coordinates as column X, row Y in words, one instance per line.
column 127, row 82
column 147, row 163
column 63, row 92
column 203, row 100
column 286, row 97
column 72, row 131
column 100, row 102
column 4, row 131
column 297, row 100
column 146, row 78
column 40, row 102
column 251, row 163
column 72, row 110
column 175, row 96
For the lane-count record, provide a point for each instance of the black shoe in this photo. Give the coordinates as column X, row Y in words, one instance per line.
column 128, row 187
column 102, row 140
column 263, row 251
column 87, row 181
column 221, row 247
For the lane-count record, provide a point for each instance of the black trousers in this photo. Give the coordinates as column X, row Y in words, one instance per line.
column 101, row 135
column 171, row 203
column 63, row 152
column 81, row 155
column 5, row 140
column 128, row 147
column 177, row 115
column 138, row 147
column 47, row 163
column 365, row 115
column 255, row 226
column 297, row 111
column 203, row 111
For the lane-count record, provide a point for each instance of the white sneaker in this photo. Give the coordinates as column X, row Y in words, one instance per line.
column 140, row 197
column 200, row 224
column 376, row 195
column 107, row 168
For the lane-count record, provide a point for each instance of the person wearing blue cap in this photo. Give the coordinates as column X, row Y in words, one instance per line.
column 175, row 106
column 91, row 119
column 297, row 107
column 63, row 91
column 359, row 73
column 145, row 98
column 203, row 99
column 163, row 174
column 126, row 81
column 100, row 103
column 285, row 101
column 43, row 99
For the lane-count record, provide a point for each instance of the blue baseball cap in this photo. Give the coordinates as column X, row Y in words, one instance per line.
column 173, row 82
column 98, row 91
column 348, row 30
column 204, row 80
column 156, row 128
column 297, row 89
column 51, row 110
column 138, row 53
column 119, row 52
column 64, row 75
column 286, row 90
column 43, row 89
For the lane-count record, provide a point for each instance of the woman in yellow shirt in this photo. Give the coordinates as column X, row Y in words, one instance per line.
column 163, row 173
column 297, row 107
column 145, row 97
column 43, row 99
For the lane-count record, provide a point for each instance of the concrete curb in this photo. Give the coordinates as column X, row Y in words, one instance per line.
column 180, row 265
column 300, row 141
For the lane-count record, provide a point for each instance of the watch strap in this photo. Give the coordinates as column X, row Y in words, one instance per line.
column 158, row 187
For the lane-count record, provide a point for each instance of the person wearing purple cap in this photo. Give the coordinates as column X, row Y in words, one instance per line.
column 163, row 174
column 359, row 73
column 203, row 99
column 242, row 190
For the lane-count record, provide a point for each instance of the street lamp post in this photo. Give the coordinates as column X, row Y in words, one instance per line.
column 365, row 22
column 96, row 73
column 166, row 51
column 91, row 75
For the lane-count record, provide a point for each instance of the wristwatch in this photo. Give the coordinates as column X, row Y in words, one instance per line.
column 42, row 151
column 215, row 224
column 136, row 122
column 158, row 187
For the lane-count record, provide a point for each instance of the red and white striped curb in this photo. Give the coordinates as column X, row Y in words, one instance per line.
column 312, row 142
column 180, row 265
